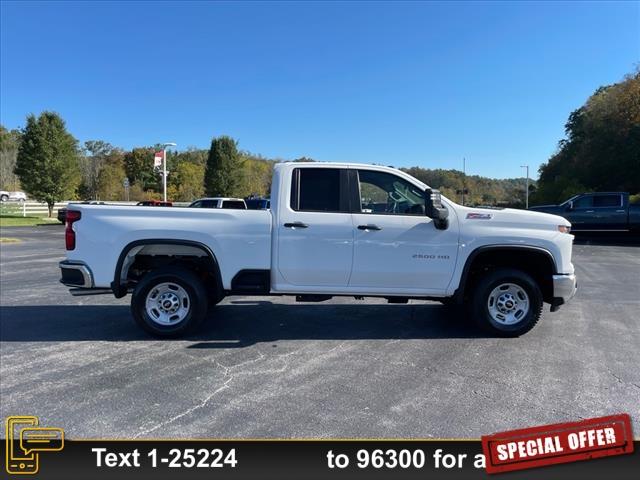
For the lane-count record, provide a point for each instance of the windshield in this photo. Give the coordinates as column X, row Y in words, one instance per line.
column 570, row 200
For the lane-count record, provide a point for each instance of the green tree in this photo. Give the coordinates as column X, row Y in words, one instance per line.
column 9, row 144
column 223, row 175
column 47, row 162
column 192, row 155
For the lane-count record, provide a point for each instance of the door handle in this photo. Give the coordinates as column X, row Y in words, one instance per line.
column 296, row 225
column 369, row 227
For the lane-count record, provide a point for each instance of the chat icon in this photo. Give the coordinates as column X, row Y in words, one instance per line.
column 41, row 439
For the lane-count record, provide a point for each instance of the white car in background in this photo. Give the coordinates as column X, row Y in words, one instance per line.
column 219, row 202
column 15, row 196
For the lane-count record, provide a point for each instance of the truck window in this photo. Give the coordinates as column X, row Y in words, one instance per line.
column 385, row 193
column 234, row 204
column 607, row 200
column 318, row 190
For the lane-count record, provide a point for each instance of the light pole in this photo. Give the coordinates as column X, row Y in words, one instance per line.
column 164, row 167
column 464, row 177
column 526, row 192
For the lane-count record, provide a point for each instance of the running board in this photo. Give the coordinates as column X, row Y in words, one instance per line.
column 81, row 292
column 312, row 298
column 397, row 300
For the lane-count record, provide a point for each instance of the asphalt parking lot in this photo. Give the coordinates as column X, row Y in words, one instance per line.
column 270, row 368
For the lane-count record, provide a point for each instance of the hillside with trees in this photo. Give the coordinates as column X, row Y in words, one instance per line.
column 481, row 191
column 601, row 151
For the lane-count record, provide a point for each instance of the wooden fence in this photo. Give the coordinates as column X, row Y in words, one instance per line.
column 36, row 209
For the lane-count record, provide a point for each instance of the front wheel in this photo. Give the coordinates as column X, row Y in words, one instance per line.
column 169, row 302
column 4, row 198
column 507, row 302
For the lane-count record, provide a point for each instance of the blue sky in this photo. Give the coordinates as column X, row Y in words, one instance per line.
column 394, row 83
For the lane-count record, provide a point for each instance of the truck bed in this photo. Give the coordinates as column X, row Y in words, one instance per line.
column 240, row 238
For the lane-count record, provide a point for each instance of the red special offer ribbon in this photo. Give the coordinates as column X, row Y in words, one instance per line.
column 558, row 443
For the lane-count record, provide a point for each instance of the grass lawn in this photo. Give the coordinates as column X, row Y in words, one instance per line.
column 9, row 240
column 20, row 221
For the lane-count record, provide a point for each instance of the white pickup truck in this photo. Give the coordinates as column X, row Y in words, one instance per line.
column 333, row 229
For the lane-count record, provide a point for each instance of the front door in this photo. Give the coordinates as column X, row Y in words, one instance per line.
column 581, row 215
column 315, row 233
column 397, row 247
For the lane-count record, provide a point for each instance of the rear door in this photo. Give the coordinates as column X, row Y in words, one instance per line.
column 397, row 247
column 609, row 212
column 315, row 233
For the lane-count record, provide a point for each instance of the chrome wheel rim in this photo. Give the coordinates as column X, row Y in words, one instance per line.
column 508, row 304
column 167, row 303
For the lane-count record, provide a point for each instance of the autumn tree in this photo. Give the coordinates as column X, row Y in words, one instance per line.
column 110, row 179
column 138, row 164
column 188, row 180
column 91, row 162
column 9, row 144
column 256, row 175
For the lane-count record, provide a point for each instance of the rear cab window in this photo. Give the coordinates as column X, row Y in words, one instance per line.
column 319, row 190
column 607, row 200
column 234, row 204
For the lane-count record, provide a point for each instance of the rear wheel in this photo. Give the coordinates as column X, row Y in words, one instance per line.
column 169, row 302
column 507, row 302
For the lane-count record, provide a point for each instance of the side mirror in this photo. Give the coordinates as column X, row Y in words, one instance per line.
column 435, row 210
column 570, row 206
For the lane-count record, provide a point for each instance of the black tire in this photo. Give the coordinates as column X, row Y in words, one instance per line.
column 483, row 290
column 4, row 198
column 196, row 305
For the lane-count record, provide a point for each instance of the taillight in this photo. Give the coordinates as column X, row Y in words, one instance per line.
column 69, row 235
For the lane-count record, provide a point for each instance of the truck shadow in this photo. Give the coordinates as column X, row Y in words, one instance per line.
column 237, row 326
